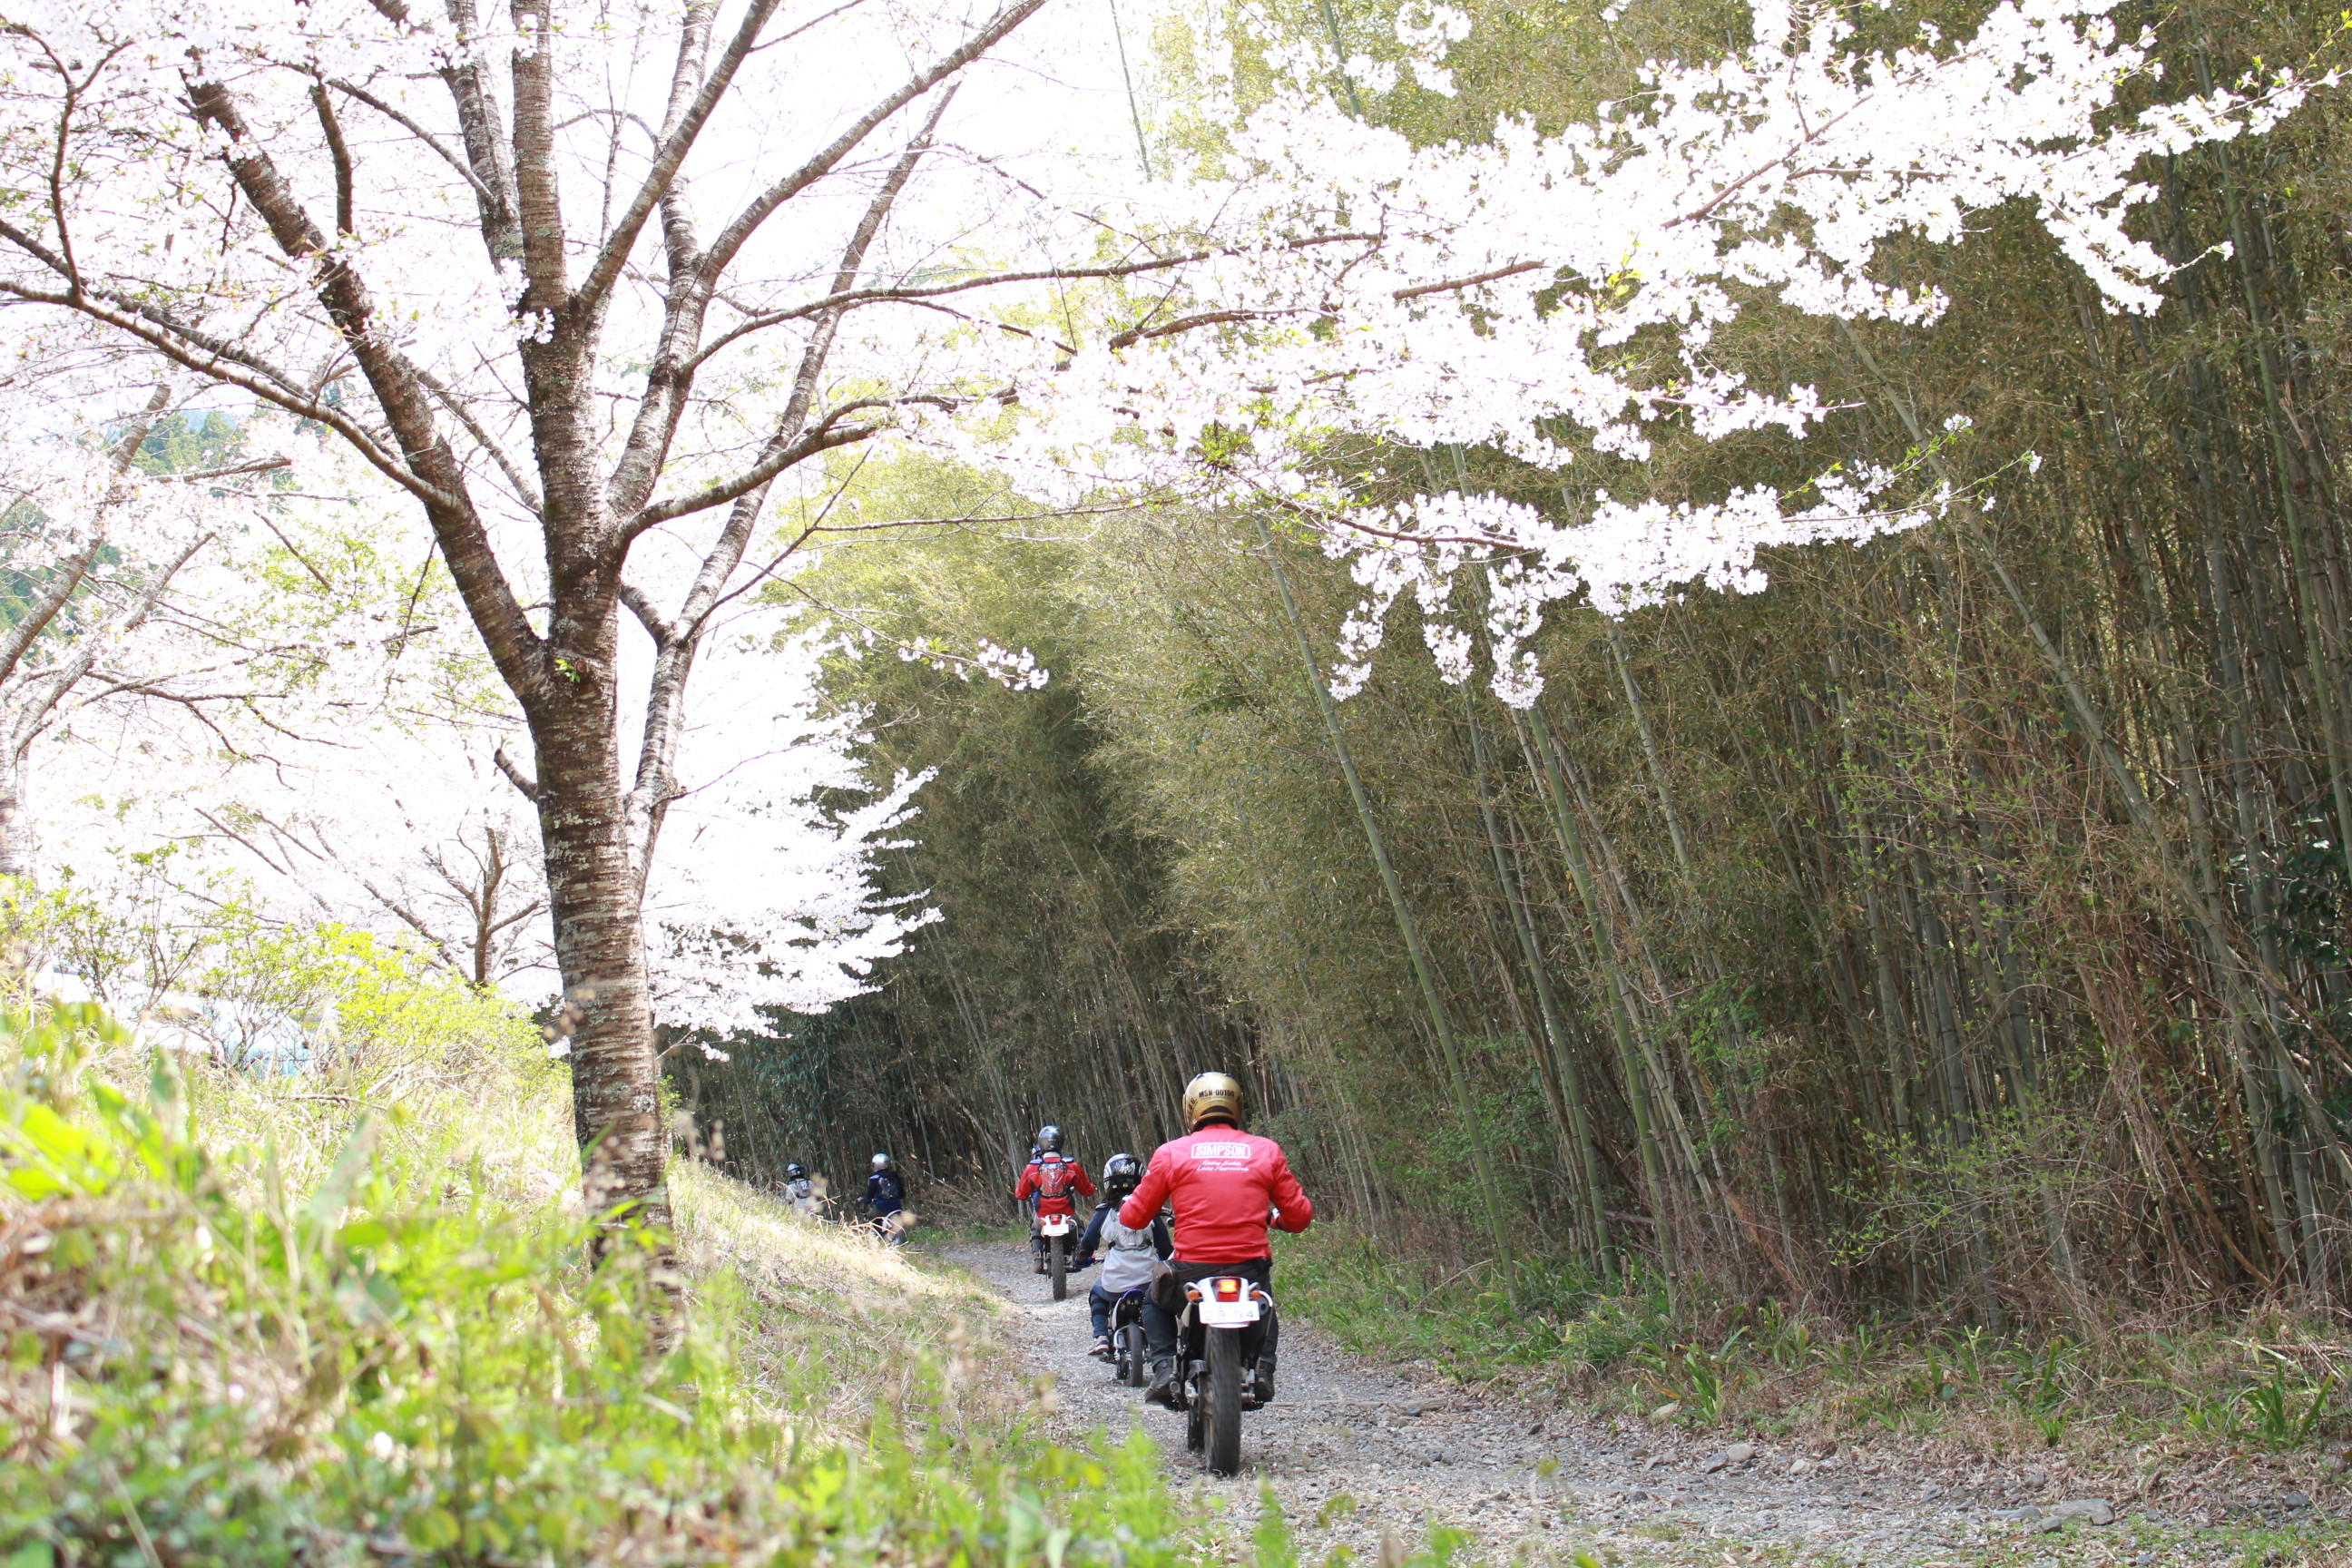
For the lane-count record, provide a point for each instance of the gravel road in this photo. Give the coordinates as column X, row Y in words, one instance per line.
column 1356, row 1451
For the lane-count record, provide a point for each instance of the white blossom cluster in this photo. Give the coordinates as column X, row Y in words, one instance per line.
column 763, row 897
column 1555, row 296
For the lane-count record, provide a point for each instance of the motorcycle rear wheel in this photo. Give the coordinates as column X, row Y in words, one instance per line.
column 1057, row 1264
column 1131, row 1368
column 1224, row 1402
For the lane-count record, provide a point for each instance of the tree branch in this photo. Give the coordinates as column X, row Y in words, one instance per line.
column 482, row 124
column 69, row 579
column 399, row 393
column 675, row 146
column 340, row 153
column 481, row 192
column 736, row 234
column 824, row 438
column 63, row 677
column 198, row 356
column 848, row 297
column 641, row 605
column 515, row 775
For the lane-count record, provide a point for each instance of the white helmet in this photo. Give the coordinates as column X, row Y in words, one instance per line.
column 881, row 1162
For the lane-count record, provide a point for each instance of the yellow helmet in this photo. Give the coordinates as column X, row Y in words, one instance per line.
column 1211, row 1094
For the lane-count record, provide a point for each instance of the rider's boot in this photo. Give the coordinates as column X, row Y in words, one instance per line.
column 1163, row 1382
column 1265, row 1386
column 1100, row 1349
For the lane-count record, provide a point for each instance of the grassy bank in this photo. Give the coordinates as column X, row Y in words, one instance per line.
column 325, row 1318
column 2162, row 1408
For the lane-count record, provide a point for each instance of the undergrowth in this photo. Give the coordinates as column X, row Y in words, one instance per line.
column 2272, row 1382
column 264, row 1321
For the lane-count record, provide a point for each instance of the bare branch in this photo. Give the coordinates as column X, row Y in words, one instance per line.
column 407, row 123
column 848, row 297
column 1450, row 284
column 185, row 349
column 70, row 572
column 66, row 676
column 542, row 209
column 736, row 234
column 515, row 775
column 339, row 152
column 676, row 141
column 640, row 603
column 463, row 412
column 464, row 543
column 481, row 123
column 824, row 438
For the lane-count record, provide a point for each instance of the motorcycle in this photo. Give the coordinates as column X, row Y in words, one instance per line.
column 1218, row 1338
column 1058, row 1233
column 1128, row 1360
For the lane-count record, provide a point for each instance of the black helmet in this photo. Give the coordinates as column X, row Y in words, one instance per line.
column 1049, row 1139
column 881, row 1162
column 795, row 1172
column 1121, row 1175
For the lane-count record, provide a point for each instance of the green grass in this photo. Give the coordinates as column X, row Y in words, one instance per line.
column 255, row 1326
column 2271, row 1384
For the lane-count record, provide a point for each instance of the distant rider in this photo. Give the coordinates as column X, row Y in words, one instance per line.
column 1223, row 1183
column 1050, row 1177
column 800, row 1191
column 886, row 1196
column 1127, row 1255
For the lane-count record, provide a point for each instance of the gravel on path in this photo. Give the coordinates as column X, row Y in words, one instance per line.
column 1373, row 1457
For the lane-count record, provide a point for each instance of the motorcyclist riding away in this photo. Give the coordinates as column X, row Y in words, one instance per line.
column 1127, row 1255
column 800, row 1189
column 1051, row 1177
column 886, row 1193
column 1223, row 1183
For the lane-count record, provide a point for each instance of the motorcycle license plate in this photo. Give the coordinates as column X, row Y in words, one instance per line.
column 1219, row 1314
column 1057, row 1228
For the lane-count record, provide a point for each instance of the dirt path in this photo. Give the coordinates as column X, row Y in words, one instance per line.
column 1353, row 1449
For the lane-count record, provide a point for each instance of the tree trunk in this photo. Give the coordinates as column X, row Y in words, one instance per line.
column 12, row 807
column 592, row 894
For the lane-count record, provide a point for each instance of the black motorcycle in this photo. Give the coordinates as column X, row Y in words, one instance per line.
column 1129, row 1358
column 1218, row 1338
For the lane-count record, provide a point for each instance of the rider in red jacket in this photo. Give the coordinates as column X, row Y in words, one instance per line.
column 1051, row 1178
column 1228, row 1187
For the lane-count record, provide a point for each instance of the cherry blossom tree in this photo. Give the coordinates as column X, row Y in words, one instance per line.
column 680, row 284
column 586, row 403
column 91, row 544
column 352, row 777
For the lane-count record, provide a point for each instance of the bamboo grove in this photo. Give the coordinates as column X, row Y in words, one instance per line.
column 1958, row 925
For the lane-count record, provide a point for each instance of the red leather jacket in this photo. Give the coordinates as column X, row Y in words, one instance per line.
column 1075, row 1182
column 1221, row 1181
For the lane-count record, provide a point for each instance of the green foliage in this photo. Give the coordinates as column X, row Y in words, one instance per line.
column 406, row 1358
column 2283, row 1405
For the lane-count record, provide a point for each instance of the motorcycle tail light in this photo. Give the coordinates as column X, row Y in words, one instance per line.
column 1229, row 1290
